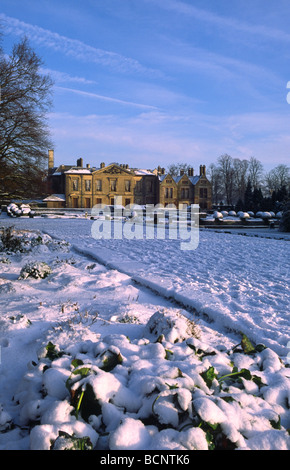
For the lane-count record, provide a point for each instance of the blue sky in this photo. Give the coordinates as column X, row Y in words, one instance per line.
column 153, row 82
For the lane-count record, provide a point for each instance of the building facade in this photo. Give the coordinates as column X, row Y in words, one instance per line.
column 82, row 186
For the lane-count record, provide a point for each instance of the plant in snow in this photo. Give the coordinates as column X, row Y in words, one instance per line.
column 173, row 327
column 120, row 394
column 9, row 241
column 36, row 270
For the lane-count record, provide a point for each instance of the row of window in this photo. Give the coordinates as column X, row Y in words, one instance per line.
column 113, row 185
column 88, row 185
column 87, row 202
column 168, row 193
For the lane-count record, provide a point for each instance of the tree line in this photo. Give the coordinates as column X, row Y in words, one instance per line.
column 245, row 185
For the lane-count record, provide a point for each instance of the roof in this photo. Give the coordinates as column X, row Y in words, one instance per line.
column 140, row 172
column 193, row 179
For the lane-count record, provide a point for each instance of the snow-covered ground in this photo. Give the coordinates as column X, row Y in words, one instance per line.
column 99, row 302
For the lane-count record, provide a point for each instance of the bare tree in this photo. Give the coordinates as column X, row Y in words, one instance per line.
column 175, row 168
column 215, row 179
column 240, row 168
column 24, row 135
column 255, row 171
column 226, row 171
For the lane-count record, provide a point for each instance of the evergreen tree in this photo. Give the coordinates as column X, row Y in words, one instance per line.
column 248, row 198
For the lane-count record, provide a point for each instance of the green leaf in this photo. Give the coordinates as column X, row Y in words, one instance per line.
column 110, row 360
column 168, row 354
column 52, row 352
column 83, row 371
column 276, row 424
column 208, row 376
column 65, row 441
column 245, row 373
column 247, row 346
column 260, row 347
column 76, row 362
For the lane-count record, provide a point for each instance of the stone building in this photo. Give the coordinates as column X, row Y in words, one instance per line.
column 79, row 186
column 185, row 189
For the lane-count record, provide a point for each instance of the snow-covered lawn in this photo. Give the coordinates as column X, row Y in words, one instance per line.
column 125, row 344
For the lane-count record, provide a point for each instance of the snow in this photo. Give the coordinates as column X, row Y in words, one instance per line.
column 143, row 340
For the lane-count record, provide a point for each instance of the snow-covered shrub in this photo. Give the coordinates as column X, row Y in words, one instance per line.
column 232, row 213
column 218, row 215
column 173, row 327
column 9, row 241
column 37, row 270
column 244, row 215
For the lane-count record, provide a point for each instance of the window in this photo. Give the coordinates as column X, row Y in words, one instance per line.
column 168, row 193
column 127, row 202
column 99, row 200
column 98, row 185
column 184, row 193
column 203, row 193
column 87, row 185
column 127, row 185
column 113, row 185
column 75, row 184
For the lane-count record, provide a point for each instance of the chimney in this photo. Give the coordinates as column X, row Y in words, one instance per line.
column 50, row 159
column 102, row 165
column 181, row 172
column 162, row 171
column 202, row 170
column 80, row 162
column 88, row 166
column 190, row 171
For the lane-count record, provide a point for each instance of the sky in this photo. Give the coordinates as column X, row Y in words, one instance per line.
column 156, row 82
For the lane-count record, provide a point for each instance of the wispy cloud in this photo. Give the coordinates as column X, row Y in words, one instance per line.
column 224, row 22
column 63, row 77
column 74, row 48
column 96, row 96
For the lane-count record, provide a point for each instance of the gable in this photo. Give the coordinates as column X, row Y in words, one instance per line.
column 113, row 169
column 167, row 179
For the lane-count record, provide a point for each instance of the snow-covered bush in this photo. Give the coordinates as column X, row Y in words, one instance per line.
column 218, row 215
column 174, row 328
column 9, row 241
column 37, row 270
column 232, row 213
column 244, row 215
